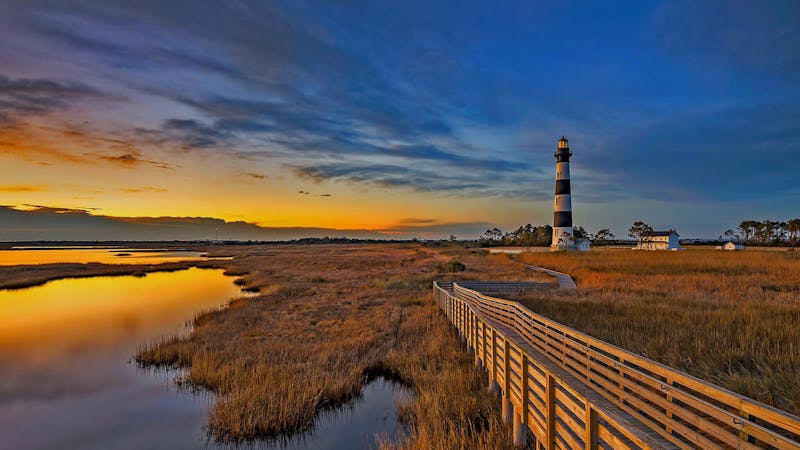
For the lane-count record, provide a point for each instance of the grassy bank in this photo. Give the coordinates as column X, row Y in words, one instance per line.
column 328, row 318
column 19, row 277
column 732, row 318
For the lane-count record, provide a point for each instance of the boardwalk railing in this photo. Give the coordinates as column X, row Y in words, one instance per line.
column 573, row 391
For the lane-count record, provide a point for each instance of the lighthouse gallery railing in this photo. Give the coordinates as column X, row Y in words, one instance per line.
column 514, row 344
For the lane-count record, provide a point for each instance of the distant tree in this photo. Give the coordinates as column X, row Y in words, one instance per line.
column 603, row 236
column 793, row 230
column 494, row 234
column 638, row 229
column 730, row 235
column 544, row 235
column 580, row 233
column 748, row 229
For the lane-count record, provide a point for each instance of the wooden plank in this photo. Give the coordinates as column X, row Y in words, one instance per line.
column 565, row 402
column 564, row 433
column 590, row 428
column 569, row 421
column 610, row 438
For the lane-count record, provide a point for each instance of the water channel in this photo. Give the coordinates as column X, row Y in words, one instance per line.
column 67, row 379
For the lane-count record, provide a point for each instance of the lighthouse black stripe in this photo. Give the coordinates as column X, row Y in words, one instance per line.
column 562, row 219
column 562, row 187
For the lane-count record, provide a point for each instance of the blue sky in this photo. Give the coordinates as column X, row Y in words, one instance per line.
column 682, row 114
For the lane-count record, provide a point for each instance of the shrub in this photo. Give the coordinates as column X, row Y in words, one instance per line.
column 453, row 265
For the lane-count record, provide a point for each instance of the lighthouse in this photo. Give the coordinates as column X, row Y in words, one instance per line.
column 562, row 204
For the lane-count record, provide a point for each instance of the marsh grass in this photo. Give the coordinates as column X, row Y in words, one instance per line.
column 25, row 276
column 327, row 320
column 731, row 318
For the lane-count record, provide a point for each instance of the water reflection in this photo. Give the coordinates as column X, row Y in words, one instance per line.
column 106, row 255
column 66, row 380
column 65, row 376
column 359, row 425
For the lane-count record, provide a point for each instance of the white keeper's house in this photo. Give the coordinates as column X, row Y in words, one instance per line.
column 659, row 240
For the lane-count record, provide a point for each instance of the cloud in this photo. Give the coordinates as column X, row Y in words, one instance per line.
column 254, row 175
column 129, row 160
column 304, row 192
column 415, row 221
column 464, row 230
column 38, row 222
column 21, row 97
column 394, row 176
column 16, row 188
column 145, row 189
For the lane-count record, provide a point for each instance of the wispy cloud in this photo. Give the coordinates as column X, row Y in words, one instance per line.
column 129, row 160
column 20, row 97
column 144, row 189
column 15, row 188
column 394, row 176
column 254, row 175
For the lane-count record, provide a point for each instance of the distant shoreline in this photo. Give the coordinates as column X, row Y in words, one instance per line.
column 31, row 275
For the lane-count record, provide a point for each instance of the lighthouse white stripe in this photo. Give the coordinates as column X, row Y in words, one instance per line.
column 562, row 171
column 562, row 203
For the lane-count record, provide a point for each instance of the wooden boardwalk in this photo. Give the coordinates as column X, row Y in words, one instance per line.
column 570, row 390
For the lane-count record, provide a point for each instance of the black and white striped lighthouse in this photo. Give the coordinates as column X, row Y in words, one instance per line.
column 562, row 205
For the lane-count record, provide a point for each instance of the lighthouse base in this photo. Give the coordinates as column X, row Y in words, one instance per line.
column 572, row 245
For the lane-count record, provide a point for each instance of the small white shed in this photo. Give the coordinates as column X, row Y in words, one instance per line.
column 733, row 246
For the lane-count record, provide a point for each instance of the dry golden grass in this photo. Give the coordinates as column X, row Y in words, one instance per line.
column 732, row 318
column 329, row 318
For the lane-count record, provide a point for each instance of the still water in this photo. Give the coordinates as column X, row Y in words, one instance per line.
column 106, row 255
column 67, row 380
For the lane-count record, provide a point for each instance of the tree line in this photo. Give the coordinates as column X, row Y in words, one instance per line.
column 766, row 232
column 539, row 236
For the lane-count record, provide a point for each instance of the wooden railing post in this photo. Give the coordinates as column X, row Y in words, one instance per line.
column 669, row 399
column 507, row 406
column 743, row 434
column 590, row 438
column 483, row 345
column 493, row 386
column 520, row 434
column 550, row 413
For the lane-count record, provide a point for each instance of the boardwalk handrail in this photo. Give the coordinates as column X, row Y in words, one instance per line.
column 514, row 344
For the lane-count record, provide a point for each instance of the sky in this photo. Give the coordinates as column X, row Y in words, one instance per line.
column 396, row 119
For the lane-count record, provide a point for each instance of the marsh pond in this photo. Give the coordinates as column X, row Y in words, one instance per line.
column 68, row 379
